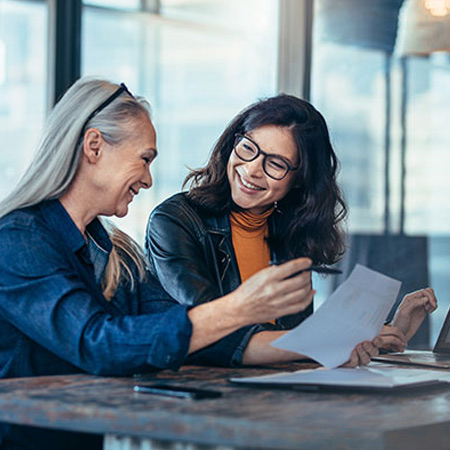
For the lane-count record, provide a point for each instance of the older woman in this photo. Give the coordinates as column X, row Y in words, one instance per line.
column 72, row 300
column 267, row 193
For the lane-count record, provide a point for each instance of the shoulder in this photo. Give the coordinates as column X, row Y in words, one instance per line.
column 26, row 221
column 174, row 204
column 27, row 245
column 177, row 208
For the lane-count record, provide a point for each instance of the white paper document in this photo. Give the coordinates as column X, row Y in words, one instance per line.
column 363, row 377
column 355, row 312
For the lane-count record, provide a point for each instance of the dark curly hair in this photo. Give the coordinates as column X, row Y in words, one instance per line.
column 313, row 210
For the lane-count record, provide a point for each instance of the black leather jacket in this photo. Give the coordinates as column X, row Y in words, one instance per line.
column 191, row 253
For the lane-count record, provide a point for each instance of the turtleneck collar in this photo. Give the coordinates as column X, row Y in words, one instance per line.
column 249, row 221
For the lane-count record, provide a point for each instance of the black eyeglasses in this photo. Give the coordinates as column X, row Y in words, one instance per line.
column 274, row 166
column 122, row 88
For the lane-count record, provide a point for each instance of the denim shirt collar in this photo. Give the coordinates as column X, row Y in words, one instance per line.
column 59, row 220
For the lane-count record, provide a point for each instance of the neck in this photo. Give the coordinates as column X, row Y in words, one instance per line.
column 80, row 211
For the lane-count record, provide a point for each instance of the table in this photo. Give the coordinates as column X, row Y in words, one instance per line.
column 242, row 418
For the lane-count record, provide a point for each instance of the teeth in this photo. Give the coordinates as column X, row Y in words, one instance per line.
column 250, row 186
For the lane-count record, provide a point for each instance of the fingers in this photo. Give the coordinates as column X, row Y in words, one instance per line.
column 290, row 268
column 268, row 294
column 362, row 354
column 353, row 361
column 287, row 280
column 295, row 302
column 431, row 300
column 424, row 298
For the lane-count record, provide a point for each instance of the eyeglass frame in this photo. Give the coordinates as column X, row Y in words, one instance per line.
column 239, row 136
column 122, row 88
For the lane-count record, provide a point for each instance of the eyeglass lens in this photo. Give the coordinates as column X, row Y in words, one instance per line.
column 273, row 166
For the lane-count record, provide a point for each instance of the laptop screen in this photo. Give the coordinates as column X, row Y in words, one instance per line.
column 443, row 341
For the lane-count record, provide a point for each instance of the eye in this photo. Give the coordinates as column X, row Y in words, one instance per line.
column 148, row 158
column 248, row 148
column 277, row 165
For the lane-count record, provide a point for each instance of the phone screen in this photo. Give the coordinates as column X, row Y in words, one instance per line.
column 177, row 391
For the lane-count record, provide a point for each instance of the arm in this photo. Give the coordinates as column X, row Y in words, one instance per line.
column 177, row 255
column 259, row 351
column 407, row 319
column 265, row 295
column 44, row 297
column 412, row 311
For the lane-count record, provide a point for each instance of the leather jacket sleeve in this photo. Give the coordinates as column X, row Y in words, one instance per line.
column 178, row 255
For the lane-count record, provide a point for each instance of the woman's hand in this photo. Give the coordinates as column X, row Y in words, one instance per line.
column 274, row 292
column 392, row 338
column 363, row 353
column 412, row 310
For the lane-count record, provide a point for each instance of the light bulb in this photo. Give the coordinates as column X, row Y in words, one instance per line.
column 438, row 8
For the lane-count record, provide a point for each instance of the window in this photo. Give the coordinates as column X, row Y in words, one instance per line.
column 23, row 85
column 380, row 106
column 198, row 63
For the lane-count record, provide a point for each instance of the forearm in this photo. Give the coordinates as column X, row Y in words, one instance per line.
column 259, row 350
column 213, row 321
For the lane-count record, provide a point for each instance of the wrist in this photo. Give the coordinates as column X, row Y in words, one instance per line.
column 234, row 309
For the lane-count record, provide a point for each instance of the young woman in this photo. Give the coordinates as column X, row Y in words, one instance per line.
column 72, row 300
column 267, row 193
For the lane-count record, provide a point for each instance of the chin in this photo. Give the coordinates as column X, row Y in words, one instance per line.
column 121, row 213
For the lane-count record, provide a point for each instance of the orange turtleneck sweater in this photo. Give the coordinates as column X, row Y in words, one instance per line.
column 248, row 233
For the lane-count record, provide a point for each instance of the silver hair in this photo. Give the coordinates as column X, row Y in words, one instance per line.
column 57, row 157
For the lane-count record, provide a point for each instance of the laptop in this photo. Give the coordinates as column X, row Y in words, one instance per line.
column 438, row 358
column 376, row 379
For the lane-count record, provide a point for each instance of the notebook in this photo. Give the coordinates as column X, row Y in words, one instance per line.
column 439, row 357
column 364, row 378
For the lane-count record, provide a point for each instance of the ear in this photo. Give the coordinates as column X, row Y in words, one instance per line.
column 92, row 145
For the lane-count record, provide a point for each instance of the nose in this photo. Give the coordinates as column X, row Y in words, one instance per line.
column 147, row 180
column 255, row 168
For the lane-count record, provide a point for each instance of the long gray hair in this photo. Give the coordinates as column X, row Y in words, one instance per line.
column 57, row 158
column 56, row 161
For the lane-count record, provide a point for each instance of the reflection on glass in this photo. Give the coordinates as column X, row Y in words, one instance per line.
column 23, row 82
column 357, row 82
column 196, row 71
column 118, row 4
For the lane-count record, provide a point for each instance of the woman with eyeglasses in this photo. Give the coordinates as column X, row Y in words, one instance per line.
column 267, row 194
column 75, row 294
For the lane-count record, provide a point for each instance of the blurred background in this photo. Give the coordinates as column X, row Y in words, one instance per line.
column 379, row 71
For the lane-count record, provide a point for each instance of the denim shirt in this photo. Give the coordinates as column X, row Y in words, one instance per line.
column 54, row 319
column 53, row 316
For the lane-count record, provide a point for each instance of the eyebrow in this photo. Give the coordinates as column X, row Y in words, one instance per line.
column 252, row 139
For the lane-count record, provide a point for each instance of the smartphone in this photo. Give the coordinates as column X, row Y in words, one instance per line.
column 176, row 391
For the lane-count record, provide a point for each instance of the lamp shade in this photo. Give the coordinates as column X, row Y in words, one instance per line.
column 423, row 28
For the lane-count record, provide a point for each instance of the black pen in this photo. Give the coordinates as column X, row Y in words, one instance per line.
column 312, row 268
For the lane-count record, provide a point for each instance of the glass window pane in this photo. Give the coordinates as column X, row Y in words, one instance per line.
column 23, row 85
column 118, row 4
column 196, row 75
column 380, row 107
